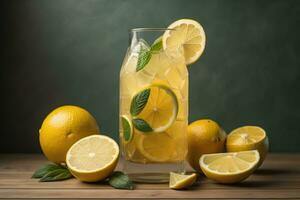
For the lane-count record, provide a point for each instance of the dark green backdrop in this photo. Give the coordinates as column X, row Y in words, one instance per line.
column 70, row 52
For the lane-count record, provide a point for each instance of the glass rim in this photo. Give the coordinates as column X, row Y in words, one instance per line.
column 135, row 30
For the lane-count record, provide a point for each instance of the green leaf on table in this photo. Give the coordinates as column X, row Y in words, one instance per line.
column 141, row 125
column 56, row 175
column 39, row 173
column 143, row 59
column 52, row 172
column 119, row 180
column 139, row 101
column 157, row 44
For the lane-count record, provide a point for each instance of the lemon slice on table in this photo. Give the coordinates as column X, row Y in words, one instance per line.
column 127, row 129
column 229, row 167
column 248, row 138
column 181, row 181
column 186, row 33
column 154, row 109
column 157, row 147
column 93, row 158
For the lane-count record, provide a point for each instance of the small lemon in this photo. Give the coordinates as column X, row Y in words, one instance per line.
column 204, row 136
column 248, row 138
column 62, row 128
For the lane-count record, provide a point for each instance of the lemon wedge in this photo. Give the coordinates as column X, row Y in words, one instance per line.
column 154, row 109
column 93, row 158
column 248, row 138
column 229, row 167
column 186, row 33
column 181, row 181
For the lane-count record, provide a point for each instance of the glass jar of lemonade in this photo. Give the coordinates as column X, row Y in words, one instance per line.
column 154, row 102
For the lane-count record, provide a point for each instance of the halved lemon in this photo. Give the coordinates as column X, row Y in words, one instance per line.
column 186, row 33
column 181, row 181
column 93, row 158
column 248, row 138
column 127, row 129
column 157, row 147
column 154, row 109
column 229, row 167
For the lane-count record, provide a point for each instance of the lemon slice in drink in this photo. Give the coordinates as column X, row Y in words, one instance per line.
column 156, row 147
column 127, row 129
column 181, row 181
column 186, row 33
column 248, row 138
column 154, row 109
column 93, row 158
column 229, row 167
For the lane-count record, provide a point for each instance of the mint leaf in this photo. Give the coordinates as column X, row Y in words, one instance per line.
column 141, row 125
column 56, row 175
column 143, row 59
column 139, row 101
column 157, row 44
column 52, row 172
column 39, row 173
column 119, row 180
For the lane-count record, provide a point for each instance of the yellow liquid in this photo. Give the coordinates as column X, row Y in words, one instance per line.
column 169, row 146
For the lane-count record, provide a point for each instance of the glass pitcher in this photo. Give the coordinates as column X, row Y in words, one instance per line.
column 153, row 107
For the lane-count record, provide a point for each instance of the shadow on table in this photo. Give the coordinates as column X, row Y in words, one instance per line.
column 256, row 184
column 272, row 172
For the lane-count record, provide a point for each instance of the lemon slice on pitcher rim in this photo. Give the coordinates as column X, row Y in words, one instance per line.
column 93, row 158
column 186, row 33
column 181, row 181
column 229, row 167
column 154, row 109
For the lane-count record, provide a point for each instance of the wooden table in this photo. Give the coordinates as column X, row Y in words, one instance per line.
column 279, row 177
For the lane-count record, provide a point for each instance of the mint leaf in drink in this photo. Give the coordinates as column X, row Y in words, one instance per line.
column 157, row 44
column 141, row 125
column 119, row 180
column 143, row 59
column 139, row 101
column 52, row 172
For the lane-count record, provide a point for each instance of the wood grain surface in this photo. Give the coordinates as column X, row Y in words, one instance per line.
column 279, row 177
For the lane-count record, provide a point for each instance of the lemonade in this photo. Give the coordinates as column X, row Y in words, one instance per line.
column 154, row 100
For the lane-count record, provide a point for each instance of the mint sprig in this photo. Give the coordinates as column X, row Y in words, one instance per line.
column 142, row 125
column 139, row 101
column 145, row 55
column 119, row 180
column 52, row 172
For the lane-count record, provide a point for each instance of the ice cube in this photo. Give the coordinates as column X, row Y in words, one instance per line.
column 139, row 46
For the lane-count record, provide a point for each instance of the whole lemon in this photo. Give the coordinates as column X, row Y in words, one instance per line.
column 62, row 128
column 204, row 136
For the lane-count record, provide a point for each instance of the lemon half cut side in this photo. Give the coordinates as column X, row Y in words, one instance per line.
column 229, row 167
column 93, row 158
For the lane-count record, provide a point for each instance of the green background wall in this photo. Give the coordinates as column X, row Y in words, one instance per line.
column 70, row 52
